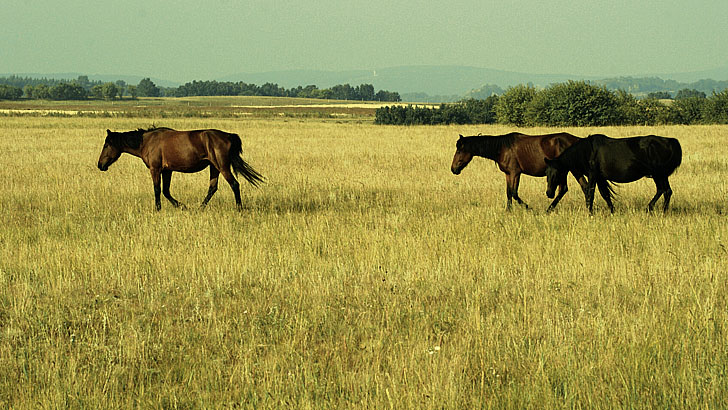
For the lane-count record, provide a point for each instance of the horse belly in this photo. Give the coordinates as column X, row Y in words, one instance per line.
column 616, row 170
column 183, row 158
column 530, row 160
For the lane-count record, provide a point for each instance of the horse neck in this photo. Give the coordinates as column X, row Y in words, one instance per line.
column 489, row 147
column 577, row 156
column 137, row 152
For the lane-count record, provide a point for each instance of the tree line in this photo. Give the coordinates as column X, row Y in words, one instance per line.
column 573, row 103
column 363, row 92
column 13, row 88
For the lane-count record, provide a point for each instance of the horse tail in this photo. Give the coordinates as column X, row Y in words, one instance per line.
column 241, row 167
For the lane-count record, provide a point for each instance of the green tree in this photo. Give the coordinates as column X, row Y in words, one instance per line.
column 688, row 93
column 365, row 92
column 96, row 92
column 147, row 88
column 109, row 91
column 29, row 91
column 512, row 105
column 629, row 111
column 687, row 110
column 654, row 112
column 121, row 85
column 9, row 92
column 659, row 95
column 68, row 91
column 574, row 103
column 132, row 91
column 42, row 92
column 387, row 96
column 715, row 110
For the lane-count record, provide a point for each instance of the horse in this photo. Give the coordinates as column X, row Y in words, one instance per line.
column 607, row 160
column 516, row 153
column 165, row 150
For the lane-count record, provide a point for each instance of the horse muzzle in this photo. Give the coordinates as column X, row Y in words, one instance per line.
column 456, row 170
column 103, row 167
column 550, row 194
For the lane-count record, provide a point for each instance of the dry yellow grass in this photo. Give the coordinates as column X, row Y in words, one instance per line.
column 363, row 274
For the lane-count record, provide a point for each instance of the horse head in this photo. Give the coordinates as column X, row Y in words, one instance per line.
column 462, row 157
column 555, row 176
column 110, row 153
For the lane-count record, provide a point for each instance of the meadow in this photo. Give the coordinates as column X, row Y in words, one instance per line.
column 363, row 274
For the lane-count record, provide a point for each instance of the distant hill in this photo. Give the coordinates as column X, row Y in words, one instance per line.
column 442, row 83
column 432, row 80
column 453, row 80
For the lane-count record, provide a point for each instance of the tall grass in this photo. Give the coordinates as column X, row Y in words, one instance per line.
column 362, row 275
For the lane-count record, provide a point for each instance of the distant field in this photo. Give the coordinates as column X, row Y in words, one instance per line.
column 363, row 274
column 204, row 107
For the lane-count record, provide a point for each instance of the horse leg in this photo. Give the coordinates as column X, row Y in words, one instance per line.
column 663, row 187
column 667, row 195
column 589, row 194
column 583, row 183
column 513, row 187
column 234, row 185
column 509, row 195
column 605, row 193
column 166, row 180
column 157, row 188
column 214, row 174
column 563, row 189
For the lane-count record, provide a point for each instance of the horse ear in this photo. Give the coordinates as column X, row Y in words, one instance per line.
column 461, row 136
column 108, row 131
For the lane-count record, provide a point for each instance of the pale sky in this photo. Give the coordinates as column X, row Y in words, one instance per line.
column 185, row 40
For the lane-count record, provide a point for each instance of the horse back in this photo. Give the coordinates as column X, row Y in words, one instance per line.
column 553, row 145
column 531, row 151
column 628, row 159
column 187, row 151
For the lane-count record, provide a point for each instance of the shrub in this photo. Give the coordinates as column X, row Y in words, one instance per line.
column 574, row 103
column 512, row 105
column 687, row 110
column 715, row 110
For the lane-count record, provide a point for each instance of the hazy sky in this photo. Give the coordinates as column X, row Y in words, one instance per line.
column 184, row 40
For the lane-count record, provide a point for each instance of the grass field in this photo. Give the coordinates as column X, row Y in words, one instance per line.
column 363, row 274
column 195, row 107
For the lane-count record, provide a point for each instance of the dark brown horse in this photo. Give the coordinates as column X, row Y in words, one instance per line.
column 516, row 154
column 165, row 150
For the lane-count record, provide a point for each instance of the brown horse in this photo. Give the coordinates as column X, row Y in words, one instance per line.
column 165, row 150
column 516, row 154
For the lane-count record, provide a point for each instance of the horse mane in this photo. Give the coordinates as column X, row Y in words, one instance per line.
column 488, row 146
column 130, row 139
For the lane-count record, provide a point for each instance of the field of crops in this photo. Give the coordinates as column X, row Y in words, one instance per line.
column 363, row 274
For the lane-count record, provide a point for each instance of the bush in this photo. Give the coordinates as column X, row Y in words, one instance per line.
column 464, row 112
column 574, row 103
column 653, row 112
column 715, row 110
column 512, row 105
column 687, row 110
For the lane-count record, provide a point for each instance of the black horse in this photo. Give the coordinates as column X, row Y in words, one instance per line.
column 606, row 160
